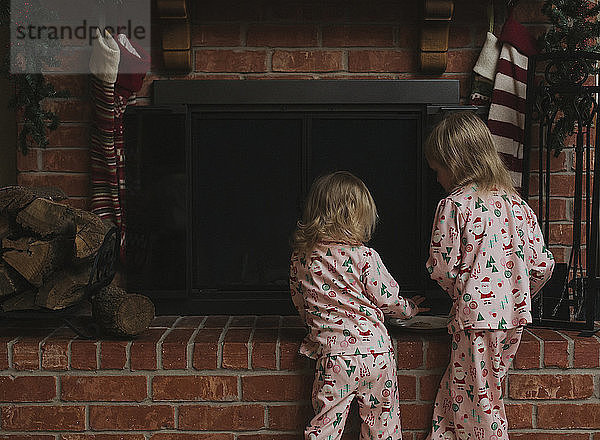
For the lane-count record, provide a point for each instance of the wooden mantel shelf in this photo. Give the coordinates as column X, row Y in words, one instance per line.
column 176, row 45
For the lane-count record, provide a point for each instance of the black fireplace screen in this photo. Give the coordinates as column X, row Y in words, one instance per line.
column 213, row 196
column 251, row 177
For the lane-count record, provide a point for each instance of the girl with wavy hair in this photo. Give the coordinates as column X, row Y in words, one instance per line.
column 342, row 291
column 487, row 252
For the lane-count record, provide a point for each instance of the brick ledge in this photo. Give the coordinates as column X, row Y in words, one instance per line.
column 247, row 343
column 240, row 378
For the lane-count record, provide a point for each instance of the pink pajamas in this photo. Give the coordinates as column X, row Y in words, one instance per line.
column 342, row 293
column 371, row 379
column 469, row 403
column 488, row 253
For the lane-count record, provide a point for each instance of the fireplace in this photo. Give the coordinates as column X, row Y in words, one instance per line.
column 217, row 172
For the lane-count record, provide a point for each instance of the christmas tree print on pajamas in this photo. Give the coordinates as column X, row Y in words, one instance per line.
column 487, row 252
column 342, row 293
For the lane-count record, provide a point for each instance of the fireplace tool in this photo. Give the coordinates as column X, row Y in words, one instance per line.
column 563, row 94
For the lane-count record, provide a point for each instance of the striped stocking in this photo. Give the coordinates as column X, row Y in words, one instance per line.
column 134, row 59
column 104, row 64
column 506, row 118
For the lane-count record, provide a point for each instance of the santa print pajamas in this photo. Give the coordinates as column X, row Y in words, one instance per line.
column 371, row 379
column 342, row 293
column 488, row 253
column 469, row 400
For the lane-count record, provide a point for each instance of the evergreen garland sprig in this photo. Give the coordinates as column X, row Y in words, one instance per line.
column 574, row 25
column 30, row 90
column 575, row 28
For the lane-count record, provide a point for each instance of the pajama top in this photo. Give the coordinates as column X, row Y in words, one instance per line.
column 488, row 253
column 342, row 293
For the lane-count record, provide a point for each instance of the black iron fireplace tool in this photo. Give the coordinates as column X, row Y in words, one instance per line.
column 569, row 300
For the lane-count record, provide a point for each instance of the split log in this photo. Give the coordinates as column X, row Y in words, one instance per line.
column 121, row 313
column 10, row 281
column 90, row 232
column 15, row 198
column 49, row 192
column 5, row 228
column 65, row 288
column 46, row 255
column 35, row 259
column 47, row 218
column 22, row 301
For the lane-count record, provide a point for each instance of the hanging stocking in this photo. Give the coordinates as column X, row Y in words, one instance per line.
column 507, row 111
column 133, row 59
column 485, row 68
column 104, row 63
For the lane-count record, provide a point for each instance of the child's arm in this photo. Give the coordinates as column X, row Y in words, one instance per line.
column 444, row 249
column 382, row 290
column 296, row 289
column 540, row 261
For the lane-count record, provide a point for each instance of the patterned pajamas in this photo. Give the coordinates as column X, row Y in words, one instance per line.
column 372, row 380
column 469, row 403
column 342, row 293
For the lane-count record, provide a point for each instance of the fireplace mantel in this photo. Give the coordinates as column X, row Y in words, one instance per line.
column 234, row 92
column 176, row 35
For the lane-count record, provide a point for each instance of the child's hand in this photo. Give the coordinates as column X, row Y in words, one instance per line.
column 418, row 299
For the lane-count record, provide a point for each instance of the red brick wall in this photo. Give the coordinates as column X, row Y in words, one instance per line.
column 307, row 39
column 240, row 378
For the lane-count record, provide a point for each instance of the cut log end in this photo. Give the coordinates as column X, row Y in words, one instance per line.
column 135, row 314
column 65, row 288
column 120, row 313
column 10, row 281
column 34, row 259
column 15, row 198
column 89, row 236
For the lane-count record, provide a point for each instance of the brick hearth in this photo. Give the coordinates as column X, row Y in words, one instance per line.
column 240, row 378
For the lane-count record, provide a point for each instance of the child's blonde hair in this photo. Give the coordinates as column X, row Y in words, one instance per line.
column 463, row 144
column 340, row 208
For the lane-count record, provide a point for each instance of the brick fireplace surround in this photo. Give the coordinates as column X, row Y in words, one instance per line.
column 239, row 378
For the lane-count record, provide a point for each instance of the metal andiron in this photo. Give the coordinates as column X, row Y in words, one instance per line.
column 560, row 100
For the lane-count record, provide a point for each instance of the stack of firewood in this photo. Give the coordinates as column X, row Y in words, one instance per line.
column 47, row 253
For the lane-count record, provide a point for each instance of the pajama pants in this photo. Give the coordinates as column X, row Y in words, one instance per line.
column 469, row 403
column 371, row 379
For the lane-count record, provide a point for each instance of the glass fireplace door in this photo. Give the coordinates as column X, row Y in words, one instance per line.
column 245, row 197
column 251, row 173
column 214, row 196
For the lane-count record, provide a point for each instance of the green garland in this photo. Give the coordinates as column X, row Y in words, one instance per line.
column 575, row 28
column 30, row 90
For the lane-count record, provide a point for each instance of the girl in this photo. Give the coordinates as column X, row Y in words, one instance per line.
column 342, row 291
column 488, row 253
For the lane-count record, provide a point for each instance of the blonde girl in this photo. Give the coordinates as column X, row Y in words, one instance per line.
column 487, row 252
column 342, row 291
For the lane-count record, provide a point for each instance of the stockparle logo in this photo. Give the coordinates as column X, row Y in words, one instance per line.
column 80, row 36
